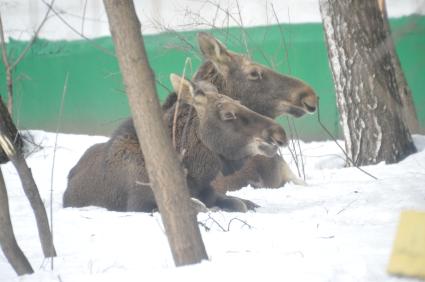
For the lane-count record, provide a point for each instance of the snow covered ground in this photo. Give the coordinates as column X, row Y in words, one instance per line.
column 339, row 228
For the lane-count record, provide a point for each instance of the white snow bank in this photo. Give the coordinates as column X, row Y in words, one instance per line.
column 339, row 228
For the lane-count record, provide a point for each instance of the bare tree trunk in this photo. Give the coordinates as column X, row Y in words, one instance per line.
column 165, row 172
column 10, row 130
column 8, row 243
column 408, row 109
column 15, row 155
column 367, row 92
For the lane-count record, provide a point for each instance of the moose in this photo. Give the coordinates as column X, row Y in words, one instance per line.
column 263, row 91
column 113, row 174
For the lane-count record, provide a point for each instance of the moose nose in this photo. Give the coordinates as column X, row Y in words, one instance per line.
column 276, row 135
column 267, row 149
column 309, row 100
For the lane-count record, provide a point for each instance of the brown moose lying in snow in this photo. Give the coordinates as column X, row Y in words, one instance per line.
column 113, row 174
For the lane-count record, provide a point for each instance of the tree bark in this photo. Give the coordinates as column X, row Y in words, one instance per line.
column 368, row 98
column 165, row 172
column 14, row 154
column 8, row 243
column 408, row 109
column 10, row 130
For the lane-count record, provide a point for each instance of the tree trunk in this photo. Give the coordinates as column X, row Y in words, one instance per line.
column 10, row 130
column 14, row 154
column 8, row 243
column 408, row 109
column 165, row 172
column 368, row 97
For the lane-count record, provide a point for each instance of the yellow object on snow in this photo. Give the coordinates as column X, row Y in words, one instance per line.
column 408, row 256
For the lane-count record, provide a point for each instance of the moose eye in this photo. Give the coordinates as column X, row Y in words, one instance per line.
column 199, row 92
column 227, row 115
column 254, row 75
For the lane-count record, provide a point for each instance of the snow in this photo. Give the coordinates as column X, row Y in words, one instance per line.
column 340, row 227
column 22, row 17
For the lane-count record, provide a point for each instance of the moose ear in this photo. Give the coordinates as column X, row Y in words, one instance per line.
column 227, row 115
column 183, row 87
column 212, row 49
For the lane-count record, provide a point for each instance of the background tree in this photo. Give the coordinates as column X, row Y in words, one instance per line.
column 368, row 95
column 8, row 135
column 8, row 243
column 408, row 109
column 165, row 172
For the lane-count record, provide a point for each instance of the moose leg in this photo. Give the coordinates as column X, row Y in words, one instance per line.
column 140, row 198
column 211, row 198
column 234, row 204
column 259, row 172
column 289, row 176
column 246, row 175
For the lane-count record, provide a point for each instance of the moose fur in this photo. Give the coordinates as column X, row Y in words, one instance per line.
column 113, row 174
column 262, row 90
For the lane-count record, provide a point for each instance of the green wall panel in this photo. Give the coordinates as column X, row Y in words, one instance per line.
column 95, row 101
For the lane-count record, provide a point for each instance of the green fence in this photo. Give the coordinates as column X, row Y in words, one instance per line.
column 95, row 101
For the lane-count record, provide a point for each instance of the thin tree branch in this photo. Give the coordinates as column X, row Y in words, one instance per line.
column 187, row 61
column 65, row 87
column 34, row 37
column 84, row 17
column 9, row 81
column 104, row 50
column 336, row 142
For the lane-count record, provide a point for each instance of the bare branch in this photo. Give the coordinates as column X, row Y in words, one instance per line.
column 84, row 17
column 8, row 69
column 336, row 142
column 65, row 87
column 34, row 37
column 97, row 46
column 187, row 61
column 282, row 35
column 242, row 28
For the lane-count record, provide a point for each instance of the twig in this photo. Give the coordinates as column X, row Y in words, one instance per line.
column 204, row 225
column 283, row 37
column 65, row 87
column 178, row 35
column 104, row 50
column 290, row 120
column 187, row 61
column 160, row 83
column 216, row 222
column 8, row 69
column 347, row 206
column 34, row 37
column 242, row 29
column 293, row 150
column 84, row 17
column 299, row 148
column 334, row 139
column 240, row 220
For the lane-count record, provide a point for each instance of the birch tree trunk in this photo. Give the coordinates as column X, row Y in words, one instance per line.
column 408, row 109
column 368, row 97
column 165, row 172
